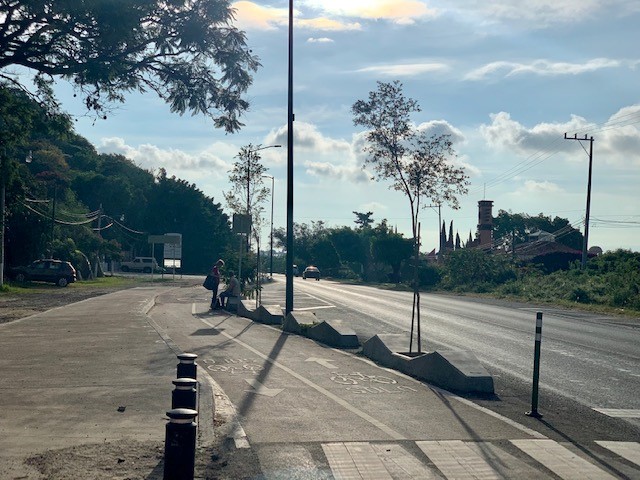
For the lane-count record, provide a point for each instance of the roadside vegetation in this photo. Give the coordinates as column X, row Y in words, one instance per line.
column 609, row 283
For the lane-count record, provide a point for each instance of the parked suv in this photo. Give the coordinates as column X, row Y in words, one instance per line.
column 47, row 270
column 141, row 264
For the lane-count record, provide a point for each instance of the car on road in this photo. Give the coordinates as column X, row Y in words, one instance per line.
column 311, row 272
column 141, row 264
column 46, row 270
column 296, row 272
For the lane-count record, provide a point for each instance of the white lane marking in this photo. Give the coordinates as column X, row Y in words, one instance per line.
column 628, row 450
column 322, row 361
column 313, row 308
column 193, row 309
column 619, row 412
column 491, row 413
column 226, row 412
column 455, row 459
column 560, row 460
column 388, row 430
column 260, row 389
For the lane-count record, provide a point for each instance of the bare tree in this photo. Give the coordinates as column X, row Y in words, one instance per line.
column 248, row 192
column 416, row 164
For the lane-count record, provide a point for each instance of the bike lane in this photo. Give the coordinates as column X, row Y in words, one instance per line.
column 287, row 388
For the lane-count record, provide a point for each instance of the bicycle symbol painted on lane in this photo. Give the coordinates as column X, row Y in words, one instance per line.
column 357, row 382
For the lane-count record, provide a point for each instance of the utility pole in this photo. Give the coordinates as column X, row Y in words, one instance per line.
column 53, row 215
column 585, row 240
column 439, row 205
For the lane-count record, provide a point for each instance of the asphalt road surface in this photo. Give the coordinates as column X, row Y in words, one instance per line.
column 588, row 358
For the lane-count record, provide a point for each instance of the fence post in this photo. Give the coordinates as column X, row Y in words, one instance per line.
column 536, row 369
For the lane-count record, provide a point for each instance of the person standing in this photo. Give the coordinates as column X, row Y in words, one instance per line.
column 215, row 273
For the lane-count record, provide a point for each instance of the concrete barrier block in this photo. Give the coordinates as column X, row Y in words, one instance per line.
column 296, row 322
column 245, row 309
column 455, row 370
column 270, row 314
column 334, row 333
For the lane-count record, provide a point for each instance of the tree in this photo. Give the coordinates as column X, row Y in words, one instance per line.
column 509, row 227
column 392, row 249
column 416, row 164
column 363, row 220
column 248, row 192
column 186, row 51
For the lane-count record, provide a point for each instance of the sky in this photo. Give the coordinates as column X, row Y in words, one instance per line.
column 506, row 79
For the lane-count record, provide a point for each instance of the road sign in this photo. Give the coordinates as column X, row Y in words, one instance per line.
column 170, row 238
column 241, row 223
column 173, row 248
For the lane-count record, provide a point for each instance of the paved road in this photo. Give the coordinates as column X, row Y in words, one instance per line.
column 85, row 388
column 591, row 359
column 311, row 412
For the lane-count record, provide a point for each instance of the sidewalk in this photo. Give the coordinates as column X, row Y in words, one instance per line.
column 85, row 389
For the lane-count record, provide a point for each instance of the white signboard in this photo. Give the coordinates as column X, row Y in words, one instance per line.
column 173, row 250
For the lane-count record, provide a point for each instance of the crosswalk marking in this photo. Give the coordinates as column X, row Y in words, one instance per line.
column 628, row 450
column 561, row 461
column 401, row 464
column 619, row 412
column 468, row 460
column 455, row 459
column 355, row 461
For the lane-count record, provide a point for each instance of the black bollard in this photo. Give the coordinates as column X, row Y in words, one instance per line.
column 536, row 369
column 187, row 366
column 180, row 445
column 184, row 395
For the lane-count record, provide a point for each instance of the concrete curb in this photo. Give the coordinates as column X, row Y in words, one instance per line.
column 454, row 370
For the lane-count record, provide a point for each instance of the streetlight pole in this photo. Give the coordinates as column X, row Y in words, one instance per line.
column 271, row 234
column 289, row 285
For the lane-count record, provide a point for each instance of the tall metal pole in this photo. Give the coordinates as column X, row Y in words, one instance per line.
column 271, row 233
column 289, row 286
column 2, row 220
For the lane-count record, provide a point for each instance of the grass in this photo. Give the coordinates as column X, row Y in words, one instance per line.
column 110, row 282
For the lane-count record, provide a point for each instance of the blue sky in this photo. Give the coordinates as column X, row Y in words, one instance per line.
column 506, row 78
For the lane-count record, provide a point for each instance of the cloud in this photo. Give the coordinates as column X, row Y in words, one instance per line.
column 543, row 68
column 535, row 13
column 176, row 162
column 617, row 141
column 308, row 137
column 399, row 11
column 532, row 186
column 441, row 127
column 319, row 40
column 337, row 172
column 404, row 70
column 251, row 16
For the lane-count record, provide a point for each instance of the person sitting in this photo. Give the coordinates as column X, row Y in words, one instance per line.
column 232, row 290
